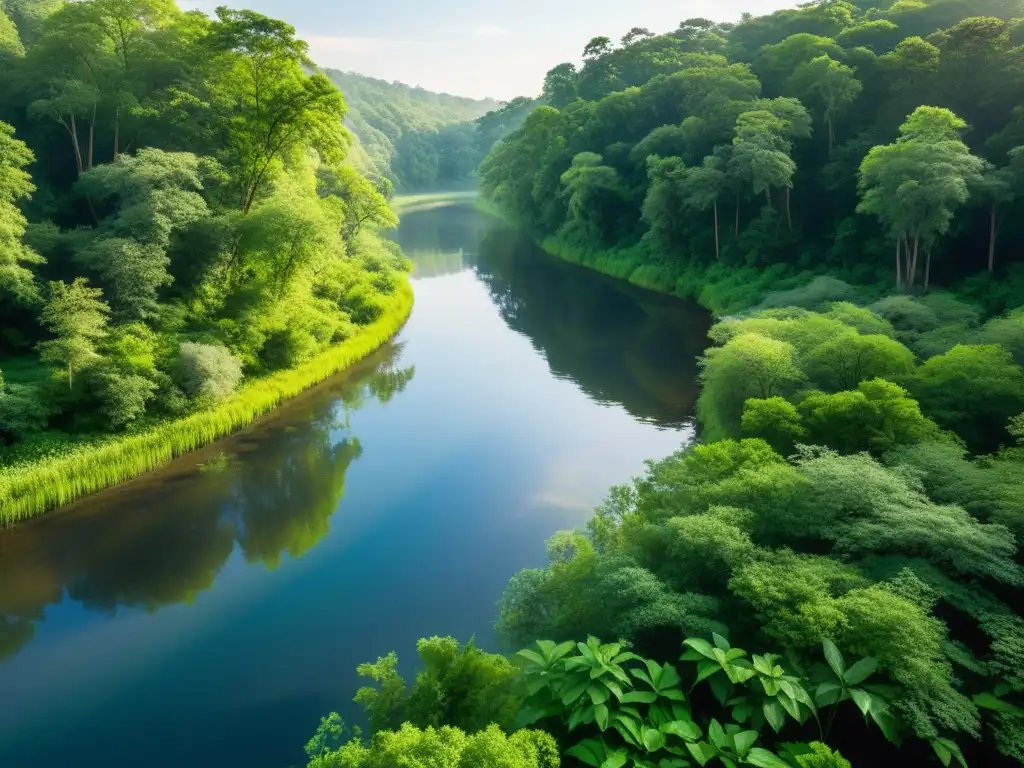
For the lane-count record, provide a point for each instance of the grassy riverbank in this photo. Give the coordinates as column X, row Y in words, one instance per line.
column 35, row 488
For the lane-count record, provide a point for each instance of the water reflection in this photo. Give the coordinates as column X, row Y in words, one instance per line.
column 272, row 492
column 618, row 343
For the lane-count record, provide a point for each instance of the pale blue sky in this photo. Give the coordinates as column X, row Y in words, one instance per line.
column 499, row 48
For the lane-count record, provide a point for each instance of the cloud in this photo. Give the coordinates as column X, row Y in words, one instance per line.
column 489, row 30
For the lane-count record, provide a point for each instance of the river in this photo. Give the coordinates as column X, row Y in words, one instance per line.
column 207, row 614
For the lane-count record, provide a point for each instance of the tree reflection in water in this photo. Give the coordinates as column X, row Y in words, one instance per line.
column 275, row 495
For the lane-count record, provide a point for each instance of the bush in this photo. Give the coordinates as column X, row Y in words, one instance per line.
column 818, row 294
column 287, row 348
column 906, row 314
column 123, row 396
column 445, row 747
column 1007, row 331
column 207, row 372
column 862, row 320
column 21, row 412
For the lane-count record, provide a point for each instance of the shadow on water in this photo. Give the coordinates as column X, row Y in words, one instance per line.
column 618, row 343
column 269, row 491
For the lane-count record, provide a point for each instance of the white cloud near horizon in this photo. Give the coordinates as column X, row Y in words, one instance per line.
column 489, row 30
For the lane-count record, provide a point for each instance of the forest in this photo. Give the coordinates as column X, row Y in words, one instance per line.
column 831, row 574
column 422, row 140
column 184, row 243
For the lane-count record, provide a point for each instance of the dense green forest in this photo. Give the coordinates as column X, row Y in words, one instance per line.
column 831, row 575
column 177, row 219
column 418, row 139
column 742, row 154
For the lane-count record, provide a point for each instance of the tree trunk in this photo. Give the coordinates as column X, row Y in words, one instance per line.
column 899, row 267
column 789, row 215
column 912, row 270
column 92, row 137
column 831, row 135
column 117, row 131
column 76, row 145
column 70, row 377
column 927, row 268
column 717, row 255
column 992, row 240
column 736, row 230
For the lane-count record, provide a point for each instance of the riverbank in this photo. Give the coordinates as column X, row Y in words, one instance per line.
column 33, row 489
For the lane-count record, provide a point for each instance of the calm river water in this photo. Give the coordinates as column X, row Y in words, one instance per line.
column 208, row 614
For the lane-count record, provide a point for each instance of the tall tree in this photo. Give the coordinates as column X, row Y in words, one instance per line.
column 77, row 316
column 915, row 185
column 271, row 106
column 833, row 86
column 17, row 283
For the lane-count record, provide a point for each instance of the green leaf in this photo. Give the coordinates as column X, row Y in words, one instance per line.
column 706, row 669
column 762, row 758
column 947, row 749
column 639, row 674
column 720, row 642
column 861, row 671
column 653, row 739
column 580, row 715
column 669, row 677
column 828, row 693
column 742, row 712
column 762, row 665
column 988, row 701
column 574, row 691
column 886, row 724
column 862, row 699
column 616, row 759
column 701, row 752
column 789, row 705
column 703, row 647
column 717, row 735
column 834, row 658
column 673, row 694
column 602, row 716
column 586, row 652
column 774, row 714
column 598, row 695
column 639, row 697
column 744, row 740
column 590, row 751
column 684, row 729
column 532, row 656
column 614, row 687
column 721, row 688
column 672, row 762
column 629, row 729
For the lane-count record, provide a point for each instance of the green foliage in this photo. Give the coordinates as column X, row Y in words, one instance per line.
column 460, row 686
column 973, row 390
column 206, row 372
column 445, row 747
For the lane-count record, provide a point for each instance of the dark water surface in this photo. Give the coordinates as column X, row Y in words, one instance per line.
column 208, row 617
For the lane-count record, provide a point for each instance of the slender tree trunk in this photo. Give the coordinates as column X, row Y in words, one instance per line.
column 831, row 135
column 736, row 230
column 70, row 377
column 717, row 255
column 77, row 146
column 912, row 272
column 927, row 267
column 899, row 267
column 92, row 137
column 789, row 215
column 117, row 131
column 992, row 240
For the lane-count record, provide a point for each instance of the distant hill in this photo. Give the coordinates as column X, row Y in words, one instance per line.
column 418, row 138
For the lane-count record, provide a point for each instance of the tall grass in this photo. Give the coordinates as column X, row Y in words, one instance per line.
column 35, row 488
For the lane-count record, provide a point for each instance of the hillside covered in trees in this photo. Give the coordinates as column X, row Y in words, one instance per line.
column 418, row 139
column 176, row 218
column 739, row 153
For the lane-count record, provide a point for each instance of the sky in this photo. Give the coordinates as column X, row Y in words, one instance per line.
column 478, row 48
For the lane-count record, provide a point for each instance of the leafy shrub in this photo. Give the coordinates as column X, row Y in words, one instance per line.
column 1006, row 331
column 862, row 320
column 444, row 747
column 22, row 412
column 906, row 314
column 123, row 396
column 287, row 348
column 206, row 372
column 818, row 294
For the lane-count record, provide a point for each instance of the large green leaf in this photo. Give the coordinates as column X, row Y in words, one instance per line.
column 653, row 739
column 947, row 749
column 602, row 716
column 669, row 677
column 533, row 657
column 598, row 694
column 616, row 759
column 706, row 669
column 834, row 658
column 717, row 735
column 639, row 697
column 701, row 752
column 988, row 701
column 774, row 714
column 574, row 690
column 744, row 740
column 684, row 729
column 827, row 694
column 861, row 671
column 673, row 694
column 762, row 758
column 590, row 751
column 629, row 728
column 720, row 642
column 703, row 647
column 862, row 699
